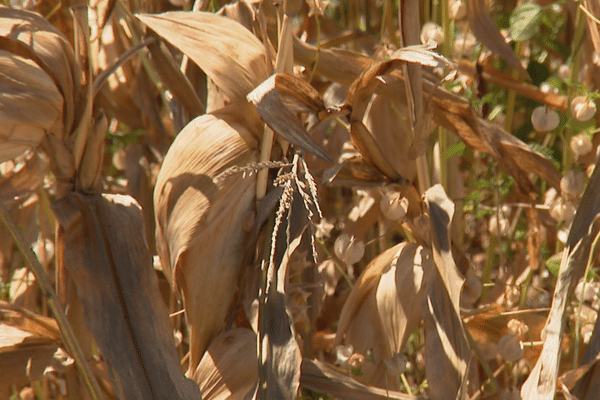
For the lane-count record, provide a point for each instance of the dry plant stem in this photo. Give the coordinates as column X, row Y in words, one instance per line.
column 512, row 95
column 54, row 305
column 280, row 66
column 588, row 266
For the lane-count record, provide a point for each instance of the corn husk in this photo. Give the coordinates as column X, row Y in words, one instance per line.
column 228, row 369
column 199, row 217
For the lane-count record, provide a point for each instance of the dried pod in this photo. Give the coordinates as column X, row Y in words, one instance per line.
column 581, row 144
column 517, row 327
column 564, row 71
column 356, row 361
column 432, row 32
column 498, row 226
column 562, row 210
column 510, row 347
column 543, row 119
column 348, row 249
column 458, row 9
column 572, row 184
column 465, row 44
column 393, row 205
column 583, row 108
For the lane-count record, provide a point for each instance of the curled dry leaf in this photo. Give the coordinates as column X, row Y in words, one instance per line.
column 446, row 340
column 199, row 216
column 229, row 53
column 39, row 78
column 449, row 110
column 271, row 99
column 384, row 307
column 228, row 369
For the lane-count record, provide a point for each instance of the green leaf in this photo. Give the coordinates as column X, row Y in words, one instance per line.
column 553, row 263
column 525, row 21
column 456, row 148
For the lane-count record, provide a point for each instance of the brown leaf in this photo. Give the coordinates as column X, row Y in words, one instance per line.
column 105, row 255
column 23, row 358
column 229, row 54
column 229, row 368
column 199, row 216
column 446, row 346
column 485, row 30
column 322, row 377
column 271, row 105
column 26, row 90
column 383, row 309
column 584, row 230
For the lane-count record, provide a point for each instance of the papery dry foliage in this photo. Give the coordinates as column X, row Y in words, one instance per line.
column 312, row 230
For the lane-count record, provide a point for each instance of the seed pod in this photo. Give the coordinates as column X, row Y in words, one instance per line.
column 517, row 327
column 581, row 144
column 583, row 108
column 572, row 184
column 564, row 71
column 510, row 347
column 432, row 32
column 543, row 119
column 348, row 249
column 458, row 10
column 393, row 205
column 562, row 211
column 496, row 226
column 465, row 44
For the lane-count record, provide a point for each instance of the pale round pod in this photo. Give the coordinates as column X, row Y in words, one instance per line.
column 543, row 119
column 393, row 205
column 348, row 249
column 564, row 71
column 572, row 184
column 431, row 32
column 465, row 44
column 581, row 144
column 458, row 9
column 510, row 347
column 496, row 225
column 562, row 211
column 583, row 108
column 517, row 327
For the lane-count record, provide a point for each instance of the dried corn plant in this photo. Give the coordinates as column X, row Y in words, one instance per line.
column 299, row 199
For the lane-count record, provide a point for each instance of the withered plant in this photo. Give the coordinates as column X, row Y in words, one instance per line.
column 299, row 199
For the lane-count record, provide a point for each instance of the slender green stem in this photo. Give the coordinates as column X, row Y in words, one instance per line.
column 48, row 292
column 512, row 96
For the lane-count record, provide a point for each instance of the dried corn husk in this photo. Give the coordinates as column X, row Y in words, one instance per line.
column 229, row 368
column 384, row 307
column 199, row 217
